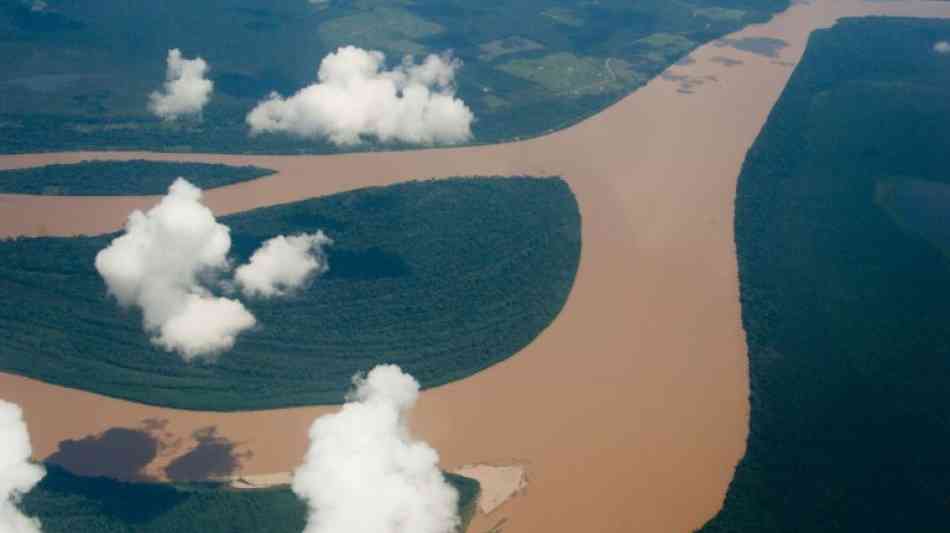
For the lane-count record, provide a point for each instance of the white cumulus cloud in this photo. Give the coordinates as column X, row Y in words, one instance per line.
column 204, row 325
column 17, row 474
column 158, row 265
column 355, row 97
column 283, row 264
column 186, row 89
column 364, row 473
column 942, row 47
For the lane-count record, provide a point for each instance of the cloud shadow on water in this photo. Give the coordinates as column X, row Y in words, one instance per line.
column 214, row 457
column 686, row 84
column 117, row 453
column 726, row 61
column 763, row 46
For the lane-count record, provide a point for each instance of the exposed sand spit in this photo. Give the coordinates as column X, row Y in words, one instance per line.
column 632, row 406
column 261, row 481
column 498, row 483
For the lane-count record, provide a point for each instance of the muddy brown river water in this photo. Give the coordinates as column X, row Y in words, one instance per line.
column 630, row 411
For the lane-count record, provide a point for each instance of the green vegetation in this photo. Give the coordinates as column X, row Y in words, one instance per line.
column 393, row 29
column 121, row 177
column 72, row 504
column 563, row 16
column 495, row 102
column 666, row 40
column 919, row 207
column 77, row 74
column 444, row 278
column 469, row 490
column 665, row 48
column 719, row 13
column 564, row 73
column 841, row 224
column 509, row 45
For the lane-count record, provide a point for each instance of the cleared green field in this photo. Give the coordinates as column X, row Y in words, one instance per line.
column 494, row 102
column 663, row 48
column 564, row 16
column 391, row 29
column 720, row 13
column 443, row 278
column 572, row 76
column 510, row 45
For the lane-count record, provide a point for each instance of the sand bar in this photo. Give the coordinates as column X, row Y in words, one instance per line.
column 498, row 483
column 632, row 406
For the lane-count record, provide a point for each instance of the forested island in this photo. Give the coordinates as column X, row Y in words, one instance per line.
column 67, row 503
column 138, row 176
column 443, row 278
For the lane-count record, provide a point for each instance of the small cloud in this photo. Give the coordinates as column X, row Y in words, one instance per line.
column 355, row 98
column 204, row 325
column 186, row 89
column 17, row 474
column 283, row 264
column 942, row 47
column 364, row 473
column 158, row 264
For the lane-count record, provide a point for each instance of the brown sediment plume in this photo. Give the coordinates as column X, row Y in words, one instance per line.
column 632, row 406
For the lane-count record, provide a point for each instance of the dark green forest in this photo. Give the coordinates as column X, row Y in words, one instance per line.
column 121, row 177
column 845, row 303
column 443, row 278
column 77, row 74
column 66, row 503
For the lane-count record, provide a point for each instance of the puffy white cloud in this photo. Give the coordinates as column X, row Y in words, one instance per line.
column 204, row 325
column 364, row 473
column 158, row 265
column 942, row 47
column 283, row 264
column 355, row 97
column 17, row 474
column 186, row 89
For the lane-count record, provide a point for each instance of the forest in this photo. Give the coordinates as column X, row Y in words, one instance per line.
column 67, row 503
column 443, row 278
column 845, row 305
column 138, row 177
column 49, row 101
